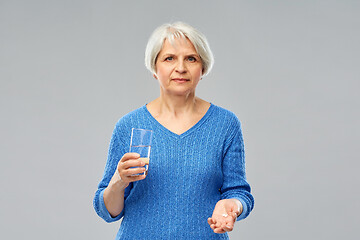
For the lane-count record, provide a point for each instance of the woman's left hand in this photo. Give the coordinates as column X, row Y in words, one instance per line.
column 224, row 215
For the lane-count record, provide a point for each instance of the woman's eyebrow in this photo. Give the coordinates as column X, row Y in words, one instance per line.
column 193, row 55
column 167, row 54
column 186, row 55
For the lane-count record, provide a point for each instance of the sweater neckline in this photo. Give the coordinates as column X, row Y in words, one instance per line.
column 187, row 132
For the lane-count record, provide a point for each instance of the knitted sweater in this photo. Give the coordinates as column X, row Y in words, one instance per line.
column 188, row 174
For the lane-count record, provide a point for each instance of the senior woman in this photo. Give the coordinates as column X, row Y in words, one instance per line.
column 195, row 187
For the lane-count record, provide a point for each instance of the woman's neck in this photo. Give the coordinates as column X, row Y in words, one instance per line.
column 176, row 105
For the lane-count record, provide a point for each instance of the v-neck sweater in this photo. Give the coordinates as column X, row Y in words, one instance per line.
column 187, row 175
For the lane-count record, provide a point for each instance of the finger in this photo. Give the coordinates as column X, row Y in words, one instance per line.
column 228, row 227
column 213, row 220
column 223, row 226
column 133, row 171
column 219, row 230
column 136, row 178
column 212, row 223
column 131, row 163
column 227, row 223
column 213, row 227
column 215, row 224
column 234, row 215
column 218, row 224
column 128, row 156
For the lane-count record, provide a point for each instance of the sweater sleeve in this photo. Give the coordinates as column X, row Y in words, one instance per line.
column 235, row 184
column 116, row 151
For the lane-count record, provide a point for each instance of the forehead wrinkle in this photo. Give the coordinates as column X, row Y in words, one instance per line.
column 185, row 53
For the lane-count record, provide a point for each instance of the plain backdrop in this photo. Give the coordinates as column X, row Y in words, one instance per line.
column 290, row 71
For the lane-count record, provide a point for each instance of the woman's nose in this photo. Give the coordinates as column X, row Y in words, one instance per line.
column 180, row 67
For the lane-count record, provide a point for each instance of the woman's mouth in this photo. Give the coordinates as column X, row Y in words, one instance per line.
column 180, row 80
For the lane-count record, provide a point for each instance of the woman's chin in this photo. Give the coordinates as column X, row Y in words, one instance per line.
column 179, row 92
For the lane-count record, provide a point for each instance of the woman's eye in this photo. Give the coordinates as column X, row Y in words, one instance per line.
column 191, row 59
column 169, row 59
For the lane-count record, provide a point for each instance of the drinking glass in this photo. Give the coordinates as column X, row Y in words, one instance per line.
column 141, row 143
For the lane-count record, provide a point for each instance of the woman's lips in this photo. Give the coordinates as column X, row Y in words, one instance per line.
column 180, row 80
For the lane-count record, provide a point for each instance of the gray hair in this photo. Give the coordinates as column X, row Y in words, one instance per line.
column 177, row 30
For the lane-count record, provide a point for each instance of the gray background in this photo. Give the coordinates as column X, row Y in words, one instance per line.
column 288, row 69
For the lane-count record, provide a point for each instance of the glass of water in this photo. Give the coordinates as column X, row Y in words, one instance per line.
column 141, row 143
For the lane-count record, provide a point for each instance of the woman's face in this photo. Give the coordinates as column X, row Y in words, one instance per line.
column 178, row 67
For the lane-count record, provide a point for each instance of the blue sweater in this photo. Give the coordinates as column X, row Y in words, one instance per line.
column 188, row 174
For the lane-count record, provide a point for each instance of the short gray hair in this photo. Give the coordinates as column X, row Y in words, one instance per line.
column 176, row 30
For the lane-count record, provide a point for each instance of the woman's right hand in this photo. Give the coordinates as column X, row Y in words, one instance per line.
column 128, row 166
